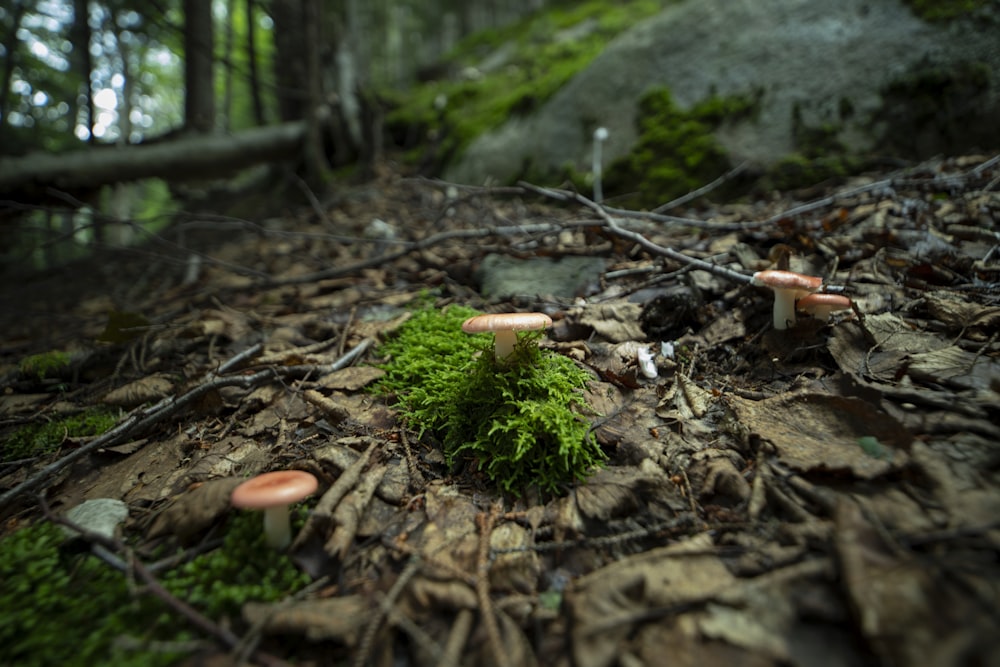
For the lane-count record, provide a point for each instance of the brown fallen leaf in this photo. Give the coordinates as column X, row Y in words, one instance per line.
column 814, row 432
column 150, row 388
column 338, row 619
column 194, row 511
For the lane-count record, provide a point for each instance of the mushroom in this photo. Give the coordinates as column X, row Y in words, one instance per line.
column 788, row 286
column 505, row 326
column 600, row 136
column 273, row 492
column 821, row 305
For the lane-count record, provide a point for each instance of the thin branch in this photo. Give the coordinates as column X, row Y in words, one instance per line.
column 615, row 228
column 703, row 190
column 141, row 420
column 153, row 586
column 485, row 522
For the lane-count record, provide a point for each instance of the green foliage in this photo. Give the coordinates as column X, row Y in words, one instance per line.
column 40, row 439
column 945, row 10
column 676, row 151
column 519, row 420
column 244, row 569
column 39, row 365
column 63, row 608
column 60, row 606
column 539, row 66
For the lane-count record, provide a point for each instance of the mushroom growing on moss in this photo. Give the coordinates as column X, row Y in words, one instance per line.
column 505, row 326
column 787, row 286
column 273, row 492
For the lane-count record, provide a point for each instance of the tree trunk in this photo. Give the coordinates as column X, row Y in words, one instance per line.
column 289, row 62
column 227, row 49
column 315, row 160
column 8, row 72
column 80, row 35
column 258, row 103
column 179, row 159
column 199, row 97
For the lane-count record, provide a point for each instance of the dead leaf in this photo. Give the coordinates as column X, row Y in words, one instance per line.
column 607, row 605
column 616, row 321
column 194, row 511
column 813, row 432
column 338, row 619
column 892, row 593
column 144, row 390
column 955, row 367
column 959, row 313
column 351, row 378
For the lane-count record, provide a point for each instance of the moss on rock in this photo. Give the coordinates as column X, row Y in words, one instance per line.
column 438, row 119
column 676, row 151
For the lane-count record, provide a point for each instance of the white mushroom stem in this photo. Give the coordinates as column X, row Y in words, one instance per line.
column 277, row 527
column 784, row 307
column 503, row 343
column 600, row 136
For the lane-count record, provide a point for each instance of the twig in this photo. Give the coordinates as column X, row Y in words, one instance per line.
column 192, row 615
column 141, row 420
column 703, row 190
column 485, row 521
column 637, row 238
column 383, row 610
column 434, row 239
column 322, row 514
column 452, row 654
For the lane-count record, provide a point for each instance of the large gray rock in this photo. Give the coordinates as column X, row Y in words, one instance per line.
column 818, row 56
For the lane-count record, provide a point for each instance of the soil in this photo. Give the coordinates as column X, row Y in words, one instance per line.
column 827, row 494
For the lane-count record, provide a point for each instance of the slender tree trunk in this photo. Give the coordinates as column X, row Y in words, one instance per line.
column 227, row 48
column 8, row 72
column 199, row 45
column 315, row 161
column 289, row 59
column 255, row 96
column 80, row 35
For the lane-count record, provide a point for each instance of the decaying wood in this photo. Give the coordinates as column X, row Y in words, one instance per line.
column 186, row 157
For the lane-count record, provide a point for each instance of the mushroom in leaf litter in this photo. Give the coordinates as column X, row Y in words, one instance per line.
column 821, row 306
column 505, row 326
column 787, row 286
column 273, row 492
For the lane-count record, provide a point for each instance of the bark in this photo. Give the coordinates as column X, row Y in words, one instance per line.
column 199, row 84
column 80, row 38
column 315, row 160
column 290, row 66
column 258, row 102
column 8, row 72
column 187, row 157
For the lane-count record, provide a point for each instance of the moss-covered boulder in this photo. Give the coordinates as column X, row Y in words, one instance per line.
column 832, row 84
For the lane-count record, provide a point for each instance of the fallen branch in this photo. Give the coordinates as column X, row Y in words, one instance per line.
column 153, row 586
column 615, row 228
column 141, row 420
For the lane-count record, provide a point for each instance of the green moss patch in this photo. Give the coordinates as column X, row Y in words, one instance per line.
column 520, row 421
column 62, row 607
column 41, row 365
column 545, row 55
column 945, row 10
column 41, row 439
column 676, row 151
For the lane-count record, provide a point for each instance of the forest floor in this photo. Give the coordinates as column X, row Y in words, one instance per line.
column 824, row 495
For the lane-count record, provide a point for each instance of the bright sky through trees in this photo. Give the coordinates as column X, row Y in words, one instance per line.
column 45, row 90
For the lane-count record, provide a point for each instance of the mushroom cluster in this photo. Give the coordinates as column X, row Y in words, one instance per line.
column 796, row 290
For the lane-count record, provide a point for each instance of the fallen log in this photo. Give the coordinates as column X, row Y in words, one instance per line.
column 188, row 156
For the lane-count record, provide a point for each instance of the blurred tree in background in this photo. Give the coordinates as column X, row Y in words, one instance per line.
column 87, row 74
